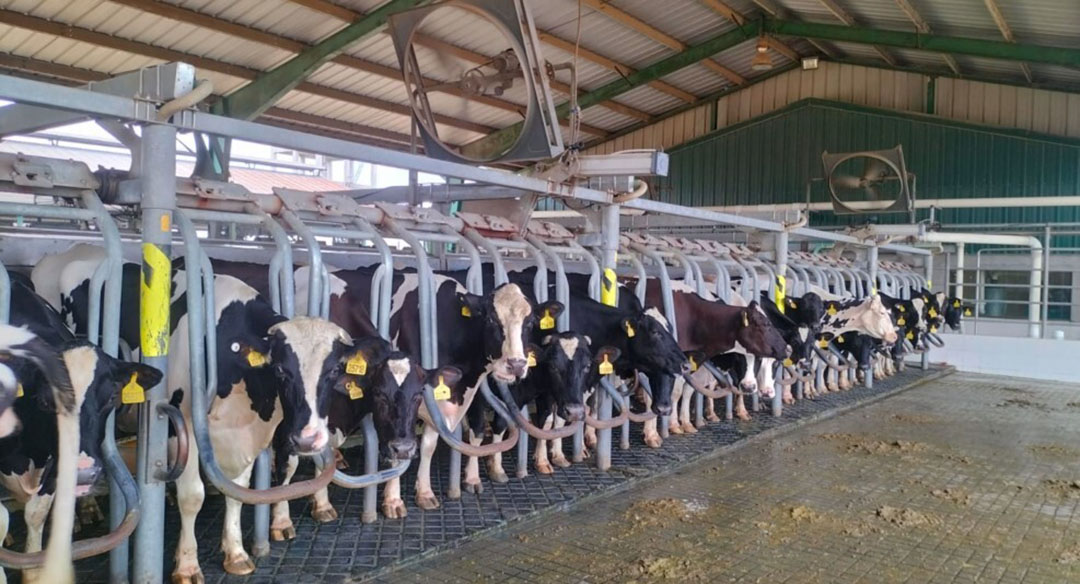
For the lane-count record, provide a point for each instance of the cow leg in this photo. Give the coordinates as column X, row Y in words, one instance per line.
column 189, row 497
column 321, row 510
column 557, row 456
column 832, row 374
column 740, row 407
column 674, row 423
column 495, row 468
column 425, row 497
column 710, row 410
column 845, row 380
column 393, row 507
column 89, row 511
column 237, row 561
column 35, row 513
column 540, row 455
column 472, row 467
column 684, row 415
column 652, row 437
column 281, row 524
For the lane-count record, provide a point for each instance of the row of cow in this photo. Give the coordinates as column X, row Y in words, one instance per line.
column 301, row 384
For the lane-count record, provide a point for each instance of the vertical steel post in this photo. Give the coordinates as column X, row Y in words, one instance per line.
column 158, row 183
column 872, row 268
column 609, row 294
column 780, row 255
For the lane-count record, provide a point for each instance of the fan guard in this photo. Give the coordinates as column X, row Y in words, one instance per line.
column 881, row 184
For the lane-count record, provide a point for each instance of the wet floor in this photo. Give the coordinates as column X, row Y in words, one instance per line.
column 964, row 479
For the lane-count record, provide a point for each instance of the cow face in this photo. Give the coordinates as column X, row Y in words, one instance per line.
column 808, row 310
column 954, row 310
column 508, row 317
column 98, row 381
column 569, row 368
column 307, row 355
column 20, row 348
column 758, row 335
column 653, row 350
column 877, row 321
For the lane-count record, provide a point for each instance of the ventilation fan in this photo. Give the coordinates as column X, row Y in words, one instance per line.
column 872, row 181
column 434, row 74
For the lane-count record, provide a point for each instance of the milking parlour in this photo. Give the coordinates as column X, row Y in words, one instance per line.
column 569, row 291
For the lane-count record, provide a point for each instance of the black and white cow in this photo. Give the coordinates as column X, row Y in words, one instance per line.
column 58, row 425
column 270, row 371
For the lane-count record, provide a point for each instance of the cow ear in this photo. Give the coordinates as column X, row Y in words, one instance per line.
column 611, row 353
column 552, row 307
column 471, row 304
column 145, row 375
column 696, row 358
column 588, row 340
column 450, row 376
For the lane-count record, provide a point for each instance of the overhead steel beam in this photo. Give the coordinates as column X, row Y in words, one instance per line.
column 843, row 16
column 1006, row 31
column 252, row 99
column 635, row 23
column 723, row 9
column 924, row 27
column 498, row 140
column 1065, row 56
column 775, row 10
column 24, row 21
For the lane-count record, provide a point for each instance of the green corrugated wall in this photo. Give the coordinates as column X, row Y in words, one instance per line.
column 769, row 160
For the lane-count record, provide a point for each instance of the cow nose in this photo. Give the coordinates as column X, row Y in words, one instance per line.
column 309, row 440
column 686, row 368
column 88, row 470
column 517, row 366
column 403, row 448
column 575, row 413
column 662, row 410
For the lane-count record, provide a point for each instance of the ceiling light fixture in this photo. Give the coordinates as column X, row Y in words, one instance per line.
column 762, row 61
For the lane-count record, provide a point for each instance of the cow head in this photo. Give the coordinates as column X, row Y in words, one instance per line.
column 98, row 381
column 20, row 348
column 954, row 310
column 508, row 317
column 807, row 310
column 569, row 367
column 758, row 335
column 653, row 349
column 307, row 356
column 876, row 320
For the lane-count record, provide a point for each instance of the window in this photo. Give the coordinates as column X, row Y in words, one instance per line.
column 1005, row 294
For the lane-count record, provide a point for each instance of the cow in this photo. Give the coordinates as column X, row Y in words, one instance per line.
column 867, row 316
column 954, row 310
column 57, row 456
column 799, row 324
column 270, row 371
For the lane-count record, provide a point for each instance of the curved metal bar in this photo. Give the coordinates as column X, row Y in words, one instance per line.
column 5, row 295
column 705, row 392
column 448, row 435
column 492, row 250
column 540, row 282
column 642, row 275
column 372, row 475
column 385, row 291
column 665, row 286
column 525, row 424
column 691, row 272
column 643, row 382
column 825, row 358
column 176, row 419
column 594, row 268
column 196, row 316
column 315, row 263
column 614, row 421
column 284, row 247
column 934, row 339
column 562, row 285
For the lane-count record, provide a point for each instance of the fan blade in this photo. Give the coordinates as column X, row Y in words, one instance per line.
column 872, row 193
column 875, row 170
column 846, row 181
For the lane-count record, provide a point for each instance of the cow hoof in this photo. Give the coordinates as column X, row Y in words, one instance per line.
column 654, row 441
column 194, row 576
column 282, row 533
column 789, row 401
column 590, row 442
column 712, row 418
column 474, row 488
column 544, row 467
column 675, row 429
column 239, row 565
column 394, row 509
column 324, row 514
column 560, row 461
column 689, row 428
column 585, row 453
column 427, row 501
column 832, row 387
column 497, row 476
column 744, row 416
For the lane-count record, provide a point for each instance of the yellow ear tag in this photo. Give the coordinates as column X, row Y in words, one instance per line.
column 933, row 329
column 745, row 319
column 465, row 311
column 956, row 304
column 693, row 364
column 442, row 391
column 547, row 322
column 822, row 343
column 357, row 365
column 355, row 391
column 910, row 336
column 832, row 310
column 788, row 363
column 967, row 312
column 531, row 361
column 840, row 340
column 19, row 390
column 900, row 321
column 629, row 330
column 133, row 393
column 932, row 313
column 606, row 368
column 792, row 304
column 256, row 359
column 901, row 308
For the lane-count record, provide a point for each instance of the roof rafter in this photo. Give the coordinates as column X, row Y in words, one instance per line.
column 775, row 10
column 843, row 16
column 36, row 24
column 67, row 74
column 924, row 27
column 633, row 22
column 1006, row 31
column 739, row 18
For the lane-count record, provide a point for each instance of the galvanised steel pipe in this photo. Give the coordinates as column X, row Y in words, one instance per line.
column 5, row 295
column 315, row 264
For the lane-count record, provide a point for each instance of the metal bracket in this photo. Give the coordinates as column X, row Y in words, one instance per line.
column 34, row 172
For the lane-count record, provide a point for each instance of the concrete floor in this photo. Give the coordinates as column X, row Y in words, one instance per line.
column 965, row 479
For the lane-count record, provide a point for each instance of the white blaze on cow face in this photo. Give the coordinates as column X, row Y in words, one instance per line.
column 877, row 321
column 920, row 306
column 511, row 310
column 399, row 369
column 569, row 346
column 311, row 340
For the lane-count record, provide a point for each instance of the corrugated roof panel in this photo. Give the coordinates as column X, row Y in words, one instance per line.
column 697, row 80
column 1044, row 21
column 689, row 21
column 650, row 100
column 602, row 117
column 812, row 10
column 615, row 40
column 879, row 14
